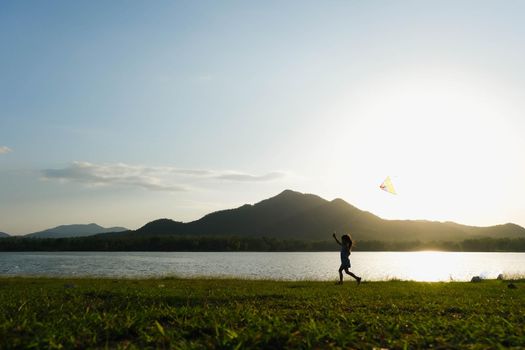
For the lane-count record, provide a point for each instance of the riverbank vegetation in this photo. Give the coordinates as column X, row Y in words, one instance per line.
column 243, row 314
column 231, row 243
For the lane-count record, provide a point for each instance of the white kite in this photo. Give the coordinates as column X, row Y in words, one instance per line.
column 388, row 186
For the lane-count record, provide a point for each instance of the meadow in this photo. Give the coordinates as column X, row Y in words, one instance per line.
column 239, row 314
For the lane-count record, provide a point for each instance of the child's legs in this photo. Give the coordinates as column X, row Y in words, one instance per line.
column 341, row 268
column 350, row 273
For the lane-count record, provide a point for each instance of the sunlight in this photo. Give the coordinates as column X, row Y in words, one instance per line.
column 442, row 142
column 430, row 266
column 423, row 266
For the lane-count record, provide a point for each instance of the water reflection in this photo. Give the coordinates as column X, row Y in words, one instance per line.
column 416, row 266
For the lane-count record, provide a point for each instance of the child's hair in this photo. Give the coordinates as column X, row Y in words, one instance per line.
column 346, row 239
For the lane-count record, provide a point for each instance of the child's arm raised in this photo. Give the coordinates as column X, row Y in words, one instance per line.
column 335, row 237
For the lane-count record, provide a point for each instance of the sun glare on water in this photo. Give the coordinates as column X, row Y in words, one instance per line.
column 433, row 266
column 430, row 266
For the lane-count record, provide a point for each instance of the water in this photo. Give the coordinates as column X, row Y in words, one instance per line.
column 417, row 266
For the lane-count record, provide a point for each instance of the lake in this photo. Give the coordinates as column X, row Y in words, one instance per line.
column 372, row 266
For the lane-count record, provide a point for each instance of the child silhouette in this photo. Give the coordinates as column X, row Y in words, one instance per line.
column 346, row 247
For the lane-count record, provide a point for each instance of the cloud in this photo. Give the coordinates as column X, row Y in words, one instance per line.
column 5, row 149
column 169, row 179
column 251, row 178
column 113, row 174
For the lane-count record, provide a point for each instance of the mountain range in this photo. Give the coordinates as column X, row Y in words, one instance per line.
column 3, row 234
column 294, row 215
column 66, row 231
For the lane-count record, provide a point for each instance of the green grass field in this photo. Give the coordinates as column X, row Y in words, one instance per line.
column 240, row 314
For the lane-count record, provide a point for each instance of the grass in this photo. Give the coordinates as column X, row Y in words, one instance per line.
column 240, row 314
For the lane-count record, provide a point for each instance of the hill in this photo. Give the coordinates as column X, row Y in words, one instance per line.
column 294, row 215
column 66, row 231
column 3, row 234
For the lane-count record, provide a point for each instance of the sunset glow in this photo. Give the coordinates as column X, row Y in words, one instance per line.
column 180, row 110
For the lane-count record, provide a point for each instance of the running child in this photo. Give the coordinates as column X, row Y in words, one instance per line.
column 346, row 246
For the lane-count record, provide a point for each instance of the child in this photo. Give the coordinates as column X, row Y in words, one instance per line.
column 346, row 246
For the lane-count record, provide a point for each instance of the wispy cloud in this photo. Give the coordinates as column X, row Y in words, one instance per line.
column 251, row 178
column 112, row 174
column 5, row 149
column 169, row 179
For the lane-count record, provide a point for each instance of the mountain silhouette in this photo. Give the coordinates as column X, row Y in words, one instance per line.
column 294, row 215
column 3, row 234
column 65, row 231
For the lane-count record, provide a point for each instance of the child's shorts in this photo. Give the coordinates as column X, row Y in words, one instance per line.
column 345, row 264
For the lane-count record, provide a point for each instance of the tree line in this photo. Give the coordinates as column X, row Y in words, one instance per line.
column 264, row 244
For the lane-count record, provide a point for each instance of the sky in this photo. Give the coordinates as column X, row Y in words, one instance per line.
column 124, row 112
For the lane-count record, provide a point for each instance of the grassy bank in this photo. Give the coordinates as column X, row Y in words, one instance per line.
column 197, row 313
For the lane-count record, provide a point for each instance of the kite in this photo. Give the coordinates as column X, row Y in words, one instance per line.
column 387, row 186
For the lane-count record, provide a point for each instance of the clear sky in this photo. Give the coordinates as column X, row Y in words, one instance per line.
column 122, row 112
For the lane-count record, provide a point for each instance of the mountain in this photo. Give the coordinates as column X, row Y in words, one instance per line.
column 66, row 231
column 3, row 234
column 294, row 215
